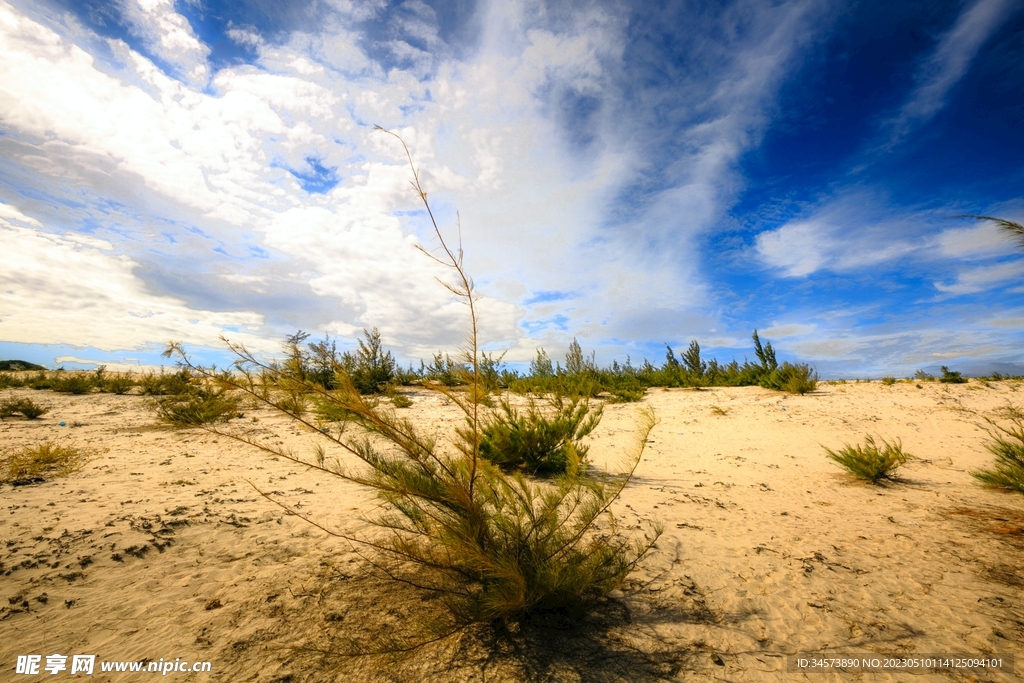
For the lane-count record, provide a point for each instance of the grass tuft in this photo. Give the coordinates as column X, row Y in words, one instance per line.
column 1007, row 446
column 871, row 461
column 26, row 407
column 45, row 460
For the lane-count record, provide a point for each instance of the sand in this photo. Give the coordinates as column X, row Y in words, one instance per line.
column 160, row 548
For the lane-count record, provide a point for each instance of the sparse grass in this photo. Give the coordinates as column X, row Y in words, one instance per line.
column 871, row 461
column 888, row 381
column 45, row 460
column 26, row 407
column 1007, row 445
column 716, row 410
column 485, row 548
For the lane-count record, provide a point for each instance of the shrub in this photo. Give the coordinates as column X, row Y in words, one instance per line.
column 489, row 548
column 1007, row 446
column 792, row 378
column 951, row 377
column 165, row 384
column 8, row 379
column 41, row 380
column 72, row 383
column 36, row 463
column 888, row 381
column 537, row 443
column 870, row 461
column 203, row 402
column 443, row 370
column 370, row 369
column 25, row 406
column 119, row 384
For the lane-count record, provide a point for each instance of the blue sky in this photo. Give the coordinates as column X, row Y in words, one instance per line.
column 630, row 174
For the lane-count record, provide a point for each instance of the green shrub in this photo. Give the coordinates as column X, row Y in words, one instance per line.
column 1007, row 446
column 485, row 547
column 870, row 461
column 45, row 460
column 888, row 381
column 8, row 379
column 923, row 376
column 165, row 384
column 41, row 380
column 951, row 377
column 23, row 406
column 370, row 369
column 72, row 383
column 119, row 384
column 538, row 442
column 445, row 371
column 792, row 378
column 205, row 401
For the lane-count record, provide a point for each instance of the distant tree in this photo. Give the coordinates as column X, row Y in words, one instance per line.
column 695, row 367
column 765, row 354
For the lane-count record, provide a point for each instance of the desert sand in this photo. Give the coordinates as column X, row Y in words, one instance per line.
column 162, row 548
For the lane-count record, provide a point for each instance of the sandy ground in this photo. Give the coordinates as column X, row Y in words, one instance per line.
column 162, row 548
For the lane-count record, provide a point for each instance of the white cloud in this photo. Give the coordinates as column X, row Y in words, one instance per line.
column 207, row 165
column 948, row 63
column 981, row 241
column 168, row 36
column 70, row 289
column 983, row 278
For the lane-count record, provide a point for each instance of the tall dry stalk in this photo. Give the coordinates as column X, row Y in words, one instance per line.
column 492, row 548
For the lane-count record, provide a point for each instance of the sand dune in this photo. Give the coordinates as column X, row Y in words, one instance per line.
column 161, row 548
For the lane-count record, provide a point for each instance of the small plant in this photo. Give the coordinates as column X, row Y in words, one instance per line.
column 23, row 406
column 45, row 460
column 871, row 461
column 792, row 378
column 202, row 403
column 41, row 380
column 537, row 443
column 923, row 376
column 119, row 384
column 398, row 400
column 72, row 383
column 1007, row 446
column 888, row 381
column 716, row 410
column 951, row 377
column 8, row 379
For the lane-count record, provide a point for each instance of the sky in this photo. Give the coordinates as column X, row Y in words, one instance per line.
column 631, row 174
